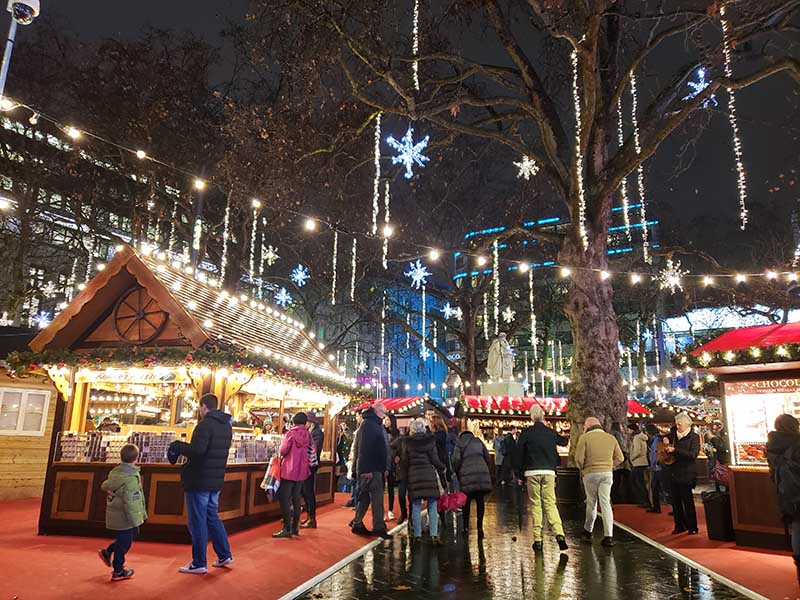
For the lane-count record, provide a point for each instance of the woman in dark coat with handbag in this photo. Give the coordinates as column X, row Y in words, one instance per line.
column 785, row 436
column 425, row 474
column 471, row 465
column 684, row 445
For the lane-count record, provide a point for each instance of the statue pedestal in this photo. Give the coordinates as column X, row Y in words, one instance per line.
column 502, row 388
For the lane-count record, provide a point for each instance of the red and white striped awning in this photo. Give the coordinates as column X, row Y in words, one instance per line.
column 552, row 405
column 393, row 405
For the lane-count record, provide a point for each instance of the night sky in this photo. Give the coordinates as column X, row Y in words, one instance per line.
column 768, row 117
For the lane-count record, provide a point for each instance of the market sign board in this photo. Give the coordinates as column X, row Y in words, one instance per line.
column 153, row 375
column 751, row 408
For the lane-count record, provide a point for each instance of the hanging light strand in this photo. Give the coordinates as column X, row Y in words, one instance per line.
column 223, row 261
column 253, row 237
column 623, row 186
column 486, row 316
column 424, row 348
column 173, row 217
column 579, row 153
column 376, row 184
column 386, row 226
column 496, row 285
column 353, row 265
column 335, row 266
column 415, row 45
column 737, row 142
column 533, row 315
column 90, row 259
column 639, row 170
column 261, row 257
column 383, row 329
column 435, row 340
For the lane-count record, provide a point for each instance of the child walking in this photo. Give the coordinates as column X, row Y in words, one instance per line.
column 125, row 511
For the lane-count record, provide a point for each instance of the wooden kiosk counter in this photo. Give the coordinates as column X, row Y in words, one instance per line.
column 131, row 355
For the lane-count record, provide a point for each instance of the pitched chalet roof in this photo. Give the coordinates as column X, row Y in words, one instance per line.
column 752, row 337
column 204, row 314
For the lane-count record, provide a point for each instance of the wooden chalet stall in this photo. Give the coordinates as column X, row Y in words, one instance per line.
column 758, row 369
column 131, row 356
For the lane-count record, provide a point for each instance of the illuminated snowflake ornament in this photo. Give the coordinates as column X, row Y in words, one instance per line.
column 527, row 168
column 49, row 290
column 300, row 275
column 424, row 353
column 362, row 367
column 41, row 319
column 670, row 276
column 409, row 153
column 509, row 314
column 418, row 274
column 271, row 255
column 448, row 311
column 283, row 298
column 698, row 87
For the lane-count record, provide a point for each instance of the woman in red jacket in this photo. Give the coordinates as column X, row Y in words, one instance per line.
column 295, row 470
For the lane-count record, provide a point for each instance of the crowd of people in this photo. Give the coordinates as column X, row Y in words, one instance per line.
column 431, row 458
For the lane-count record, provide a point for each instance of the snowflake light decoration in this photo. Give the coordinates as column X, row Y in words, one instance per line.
column 300, row 275
column 418, row 274
column 49, row 289
column 509, row 314
column 409, row 153
column 698, row 87
column 271, row 255
column 424, row 353
column 283, row 298
column 362, row 367
column 670, row 276
column 41, row 319
column 448, row 311
column 527, row 167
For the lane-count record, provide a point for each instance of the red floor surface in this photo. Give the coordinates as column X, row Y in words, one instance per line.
column 771, row 574
column 45, row 567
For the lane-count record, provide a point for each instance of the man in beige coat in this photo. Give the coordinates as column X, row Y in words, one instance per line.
column 596, row 454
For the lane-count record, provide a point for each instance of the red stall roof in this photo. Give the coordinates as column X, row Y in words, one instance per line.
column 550, row 404
column 748, row 337
column 392, row 404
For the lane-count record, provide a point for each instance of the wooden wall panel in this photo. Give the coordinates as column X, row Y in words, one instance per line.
column 73, row 496
column 23, row 459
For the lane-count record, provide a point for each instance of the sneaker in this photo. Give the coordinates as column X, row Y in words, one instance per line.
column 678, row 530
column 190, row 568
column 694, row 531
column 562, row 543
column 608, row 541
column 384, row 535
column 105, row 556
column 283, row 533
column 309, row 523
column 538, row 547
column 390, row 516
column 359, row 529
column 222, row 563
column 124, row 574
column 586, row 536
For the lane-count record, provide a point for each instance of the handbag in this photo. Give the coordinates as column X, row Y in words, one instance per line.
column 664, row 457
column 720, row 474
column 313, row 461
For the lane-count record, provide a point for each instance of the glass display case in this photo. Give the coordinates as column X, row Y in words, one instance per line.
column 751, row 408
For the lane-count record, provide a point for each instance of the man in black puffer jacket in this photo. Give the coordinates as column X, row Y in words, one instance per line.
column 202, row 477
column 372, row 463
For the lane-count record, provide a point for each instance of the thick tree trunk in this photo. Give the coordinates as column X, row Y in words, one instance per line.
column 596, row 388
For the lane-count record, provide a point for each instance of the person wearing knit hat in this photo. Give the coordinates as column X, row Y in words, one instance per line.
column 596, row 454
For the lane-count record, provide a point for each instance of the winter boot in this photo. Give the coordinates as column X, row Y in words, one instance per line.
column 797, row 565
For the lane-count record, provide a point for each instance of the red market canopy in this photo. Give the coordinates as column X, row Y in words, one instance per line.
column 392, row 405
column 510, row 404
column 762, row 336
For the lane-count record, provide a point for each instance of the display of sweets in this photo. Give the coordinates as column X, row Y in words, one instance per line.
column 93, row 446
column 249, row 448
column 153, row 446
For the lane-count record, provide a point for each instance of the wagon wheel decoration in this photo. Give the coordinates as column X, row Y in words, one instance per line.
column 138, row 318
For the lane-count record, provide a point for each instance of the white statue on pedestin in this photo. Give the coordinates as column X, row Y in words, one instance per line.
column 500, row 365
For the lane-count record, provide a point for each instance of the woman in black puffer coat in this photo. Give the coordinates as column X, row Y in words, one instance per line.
column 425, row 472
column 785, row 436
column 471, row 464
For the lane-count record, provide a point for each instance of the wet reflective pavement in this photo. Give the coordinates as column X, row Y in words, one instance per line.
column 503, row 566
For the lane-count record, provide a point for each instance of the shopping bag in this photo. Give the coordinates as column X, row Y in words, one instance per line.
column 312, row 455
column 272, row 478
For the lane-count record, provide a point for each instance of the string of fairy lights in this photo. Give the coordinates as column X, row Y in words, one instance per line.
column 579, row 152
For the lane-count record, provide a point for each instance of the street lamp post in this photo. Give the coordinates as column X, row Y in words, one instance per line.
column 379, row 384
column 23, row 12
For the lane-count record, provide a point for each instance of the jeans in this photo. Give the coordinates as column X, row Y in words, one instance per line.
column 481, row 504
column 655, row 489
column 416, row 517
column 370, row 492
column 598, row 487
column 402, row 493
column 204, row 522
column 683, row 509
column 289, row 497
column 498, row 476
column 542, row 491
column 120, row 546
column 638, row 486
column 310, row 494
column 795, row 529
